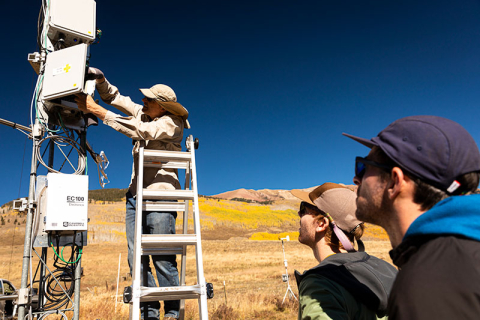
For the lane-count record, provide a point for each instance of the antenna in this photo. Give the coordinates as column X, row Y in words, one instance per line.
column 285, row 277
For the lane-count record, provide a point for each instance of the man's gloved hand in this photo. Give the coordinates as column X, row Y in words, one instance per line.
column 95, row 74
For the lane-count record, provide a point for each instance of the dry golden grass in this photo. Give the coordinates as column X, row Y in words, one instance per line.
column 252, row 270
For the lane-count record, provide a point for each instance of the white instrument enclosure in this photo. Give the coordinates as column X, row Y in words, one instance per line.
column 72, row 20
column 67, row 202
column 65, row 72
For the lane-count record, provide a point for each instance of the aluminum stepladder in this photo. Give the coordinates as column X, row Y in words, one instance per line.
column 168, row 243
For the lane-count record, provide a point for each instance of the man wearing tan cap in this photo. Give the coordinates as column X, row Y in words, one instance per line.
column 159, row 122
column 346, row 284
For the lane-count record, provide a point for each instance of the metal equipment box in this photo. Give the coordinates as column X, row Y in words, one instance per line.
column 73, row 21
column 67, row 202
column 65, row 72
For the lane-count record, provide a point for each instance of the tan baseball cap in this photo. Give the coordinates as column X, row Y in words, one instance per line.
column 336, row 200
column 166, row 98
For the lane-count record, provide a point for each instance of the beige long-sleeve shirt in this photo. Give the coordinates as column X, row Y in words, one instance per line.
column 163, row 133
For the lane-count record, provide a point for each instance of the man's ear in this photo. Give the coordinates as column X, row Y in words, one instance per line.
column 397, row 182
column 322, row 224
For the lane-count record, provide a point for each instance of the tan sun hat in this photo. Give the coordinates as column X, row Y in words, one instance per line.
column 161, row 92
column 167, row 99
column 334, row 199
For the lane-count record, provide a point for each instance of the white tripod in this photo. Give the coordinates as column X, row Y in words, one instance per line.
column 285, row 276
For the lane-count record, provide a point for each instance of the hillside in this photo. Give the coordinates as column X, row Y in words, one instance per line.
column 260, row 215
column 249, row 272
column 263, row 195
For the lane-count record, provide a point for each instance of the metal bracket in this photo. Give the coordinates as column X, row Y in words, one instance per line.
column 20, row 204
column 23, row 296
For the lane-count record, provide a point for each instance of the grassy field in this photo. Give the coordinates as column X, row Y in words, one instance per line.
column 250, row 269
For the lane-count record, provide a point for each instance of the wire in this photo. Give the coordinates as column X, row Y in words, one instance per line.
column 33, row 102
column 64, row 316
column 60, row 139
column 62, row 258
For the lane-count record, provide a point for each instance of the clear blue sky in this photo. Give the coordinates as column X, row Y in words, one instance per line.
column 270, row 85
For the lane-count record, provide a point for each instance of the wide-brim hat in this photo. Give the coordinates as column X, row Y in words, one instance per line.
column 167, row 99
column 335, row 199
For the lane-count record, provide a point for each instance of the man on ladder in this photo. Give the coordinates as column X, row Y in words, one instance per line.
column 160, row 123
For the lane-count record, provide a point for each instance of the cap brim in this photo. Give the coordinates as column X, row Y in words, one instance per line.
column 302, row 195
column 147, row 93
column 366, row 142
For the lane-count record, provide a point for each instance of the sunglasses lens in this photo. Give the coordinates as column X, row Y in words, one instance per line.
column 301, row 212
column 359, row 169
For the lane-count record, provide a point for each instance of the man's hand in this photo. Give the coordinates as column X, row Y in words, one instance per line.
column 87, row 105
column 94, row 73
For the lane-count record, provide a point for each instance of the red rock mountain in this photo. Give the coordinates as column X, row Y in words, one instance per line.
column 263, row 195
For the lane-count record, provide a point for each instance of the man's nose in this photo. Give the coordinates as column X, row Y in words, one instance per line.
column 357, row 181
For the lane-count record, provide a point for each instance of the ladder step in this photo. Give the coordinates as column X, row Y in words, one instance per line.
column 155, row 241
column 164, row 206
column 171, row 293
column 162, row 155
column 149, row 194
column 166, row 159
column 162, row 251
column 166, row 164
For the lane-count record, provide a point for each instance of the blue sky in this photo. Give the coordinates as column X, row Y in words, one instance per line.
column 270, row 85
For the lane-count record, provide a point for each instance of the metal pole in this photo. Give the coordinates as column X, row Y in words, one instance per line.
column 78, row 270
column 23, row 293
column 15, row 125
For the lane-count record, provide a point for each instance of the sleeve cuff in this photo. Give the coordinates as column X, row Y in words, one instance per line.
column 102, row 87
column 109, row 116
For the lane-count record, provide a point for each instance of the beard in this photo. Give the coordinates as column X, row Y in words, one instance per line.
column 373, row 206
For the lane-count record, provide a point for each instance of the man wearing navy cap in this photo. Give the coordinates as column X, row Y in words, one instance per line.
column 418, row 182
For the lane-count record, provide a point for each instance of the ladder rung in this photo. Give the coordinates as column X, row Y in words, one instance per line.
column 162, row 155
column 162, row 251
column 150, row 241
column 170, row 293
column 166, row 164
column 163, row 206
column 149, row 194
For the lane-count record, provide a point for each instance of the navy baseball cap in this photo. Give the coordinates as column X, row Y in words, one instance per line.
column 434, row 149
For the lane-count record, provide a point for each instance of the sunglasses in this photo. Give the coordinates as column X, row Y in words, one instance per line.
column 303, row 209
column 149, row 99
column 362, row 163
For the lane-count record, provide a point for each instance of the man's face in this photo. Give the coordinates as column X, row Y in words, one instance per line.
column 308, row 224
column 372, row 201
column 152, row 108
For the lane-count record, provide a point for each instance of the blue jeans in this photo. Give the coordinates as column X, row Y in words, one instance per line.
column 165, row 265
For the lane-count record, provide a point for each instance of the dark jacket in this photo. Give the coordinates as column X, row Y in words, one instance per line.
column 345, row 286
column 439, row 261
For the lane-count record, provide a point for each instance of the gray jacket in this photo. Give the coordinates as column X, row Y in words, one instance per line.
column 346, row 286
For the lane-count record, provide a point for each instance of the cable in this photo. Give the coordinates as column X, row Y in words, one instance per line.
column 60, row 139
column 62, row 258
column 64, row 316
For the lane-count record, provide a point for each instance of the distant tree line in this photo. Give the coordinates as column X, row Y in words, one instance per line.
column 266, row 202
column 113, row 194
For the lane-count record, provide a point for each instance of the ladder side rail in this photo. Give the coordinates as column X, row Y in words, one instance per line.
column 202, row 302
column 137, row 252
column 183, row 263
